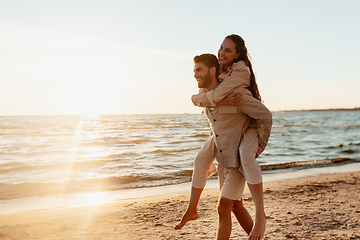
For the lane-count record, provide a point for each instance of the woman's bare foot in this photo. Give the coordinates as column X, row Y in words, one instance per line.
column 257, row 233
column 187, row 217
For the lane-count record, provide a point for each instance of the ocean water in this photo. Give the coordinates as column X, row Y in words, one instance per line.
column 49, row 158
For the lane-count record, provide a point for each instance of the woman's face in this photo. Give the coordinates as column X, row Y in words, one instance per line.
column 227, row 53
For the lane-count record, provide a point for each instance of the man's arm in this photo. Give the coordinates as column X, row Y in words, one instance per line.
column 256, row 110
column 239, row 77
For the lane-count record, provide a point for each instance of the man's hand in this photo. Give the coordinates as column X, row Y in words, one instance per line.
column 232, row 99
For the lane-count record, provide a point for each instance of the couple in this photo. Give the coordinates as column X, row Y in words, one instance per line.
column 240, row 129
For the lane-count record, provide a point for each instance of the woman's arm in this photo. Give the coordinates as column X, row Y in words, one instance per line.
column 232, row 98
column 239, row 76
column 200, row 100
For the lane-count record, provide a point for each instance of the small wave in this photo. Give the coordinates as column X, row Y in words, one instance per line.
column 332, row 147
column 176, row 126
column 295, row 125
column 174, row 150
column 355, row 144
column 283, row 131
column 144, row 125
column 136, row 141
column 92, row 144
column 12, row 190
column 114, row 140
column 121, row 155
column 177, row 142
column 9, row 127
column 50, row 167
column 201, row 135
column 349, row 151
column 156, row 183
column 296, row 149
column 307, row 126
column 107, row 139
column 309, row 164
column 32, row 152
column 184, row 173
column 10, row 165
column 140, row 127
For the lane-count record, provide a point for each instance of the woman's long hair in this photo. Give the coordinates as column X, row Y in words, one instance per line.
column 244, row 56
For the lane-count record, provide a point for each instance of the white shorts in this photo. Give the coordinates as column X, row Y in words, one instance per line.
column 204, row 165
column 232, row 183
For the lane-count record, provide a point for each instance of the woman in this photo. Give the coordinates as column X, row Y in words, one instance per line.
column 235, row 71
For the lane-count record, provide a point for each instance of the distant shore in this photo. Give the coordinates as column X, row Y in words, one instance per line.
column 321, row 110
column 323, row 207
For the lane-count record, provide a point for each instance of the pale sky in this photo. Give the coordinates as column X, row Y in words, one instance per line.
column 135, row 56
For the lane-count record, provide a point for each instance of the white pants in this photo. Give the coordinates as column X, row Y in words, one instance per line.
column 248, row 148
column 204, row 166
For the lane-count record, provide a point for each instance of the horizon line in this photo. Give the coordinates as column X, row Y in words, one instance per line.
column 108, row 114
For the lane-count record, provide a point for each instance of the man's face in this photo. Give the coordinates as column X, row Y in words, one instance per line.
column 202, row 75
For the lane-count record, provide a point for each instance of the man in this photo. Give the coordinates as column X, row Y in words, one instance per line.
column 228, row 124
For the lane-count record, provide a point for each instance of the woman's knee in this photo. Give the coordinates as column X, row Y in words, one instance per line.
column 203, row 160
column 248, row 159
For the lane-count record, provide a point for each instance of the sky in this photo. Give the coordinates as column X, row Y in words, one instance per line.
column 135, row 57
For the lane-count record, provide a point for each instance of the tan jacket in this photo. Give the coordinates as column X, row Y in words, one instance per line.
column 228, row 124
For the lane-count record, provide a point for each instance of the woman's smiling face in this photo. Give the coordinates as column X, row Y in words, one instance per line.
column 227, row 53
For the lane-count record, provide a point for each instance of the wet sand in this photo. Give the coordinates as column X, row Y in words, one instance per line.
column 324, row 207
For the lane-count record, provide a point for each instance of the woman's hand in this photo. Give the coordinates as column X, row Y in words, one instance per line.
column 231, row 99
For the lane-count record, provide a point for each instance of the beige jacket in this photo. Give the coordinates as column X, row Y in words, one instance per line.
column 228, row 124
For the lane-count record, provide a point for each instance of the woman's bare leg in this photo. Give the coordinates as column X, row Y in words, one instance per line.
column 204, row 167
column 252, row 172
column 191, row 212
column 258, row 231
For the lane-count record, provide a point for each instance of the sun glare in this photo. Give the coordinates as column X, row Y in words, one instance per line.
column 94, row 198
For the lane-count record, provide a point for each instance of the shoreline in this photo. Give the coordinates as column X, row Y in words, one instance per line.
column 57, row 202
column 321, row 207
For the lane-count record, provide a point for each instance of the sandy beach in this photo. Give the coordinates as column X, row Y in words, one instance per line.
column 324, row 207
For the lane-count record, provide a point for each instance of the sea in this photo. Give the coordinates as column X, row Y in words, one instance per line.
column 51, row 162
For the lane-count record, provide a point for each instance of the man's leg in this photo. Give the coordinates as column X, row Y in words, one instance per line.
column 224, row 223
column 232, row 184
column 204, row 167
column 243, row 216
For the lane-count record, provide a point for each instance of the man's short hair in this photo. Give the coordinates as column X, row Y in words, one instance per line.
column 209, row 60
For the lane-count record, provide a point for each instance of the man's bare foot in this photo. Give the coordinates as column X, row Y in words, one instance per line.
column 187, row 217
column 257, row 233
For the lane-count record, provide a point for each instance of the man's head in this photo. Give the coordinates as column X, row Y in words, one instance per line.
column 206, row 70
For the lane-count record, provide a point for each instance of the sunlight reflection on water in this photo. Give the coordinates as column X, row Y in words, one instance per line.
column 94, row 198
